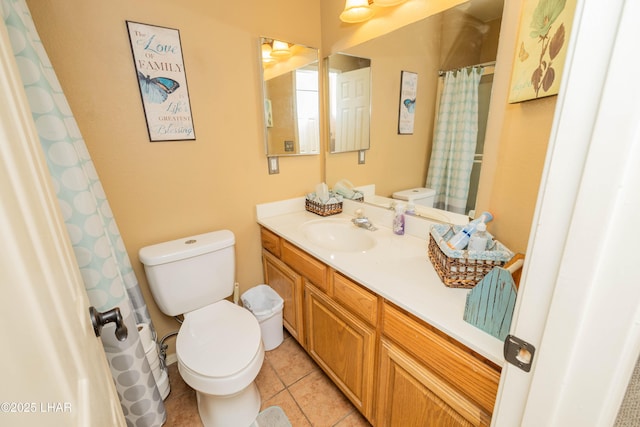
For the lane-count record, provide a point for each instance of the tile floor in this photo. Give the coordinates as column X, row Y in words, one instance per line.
column 290, row 379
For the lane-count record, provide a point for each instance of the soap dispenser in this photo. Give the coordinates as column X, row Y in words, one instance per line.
column 398, row 220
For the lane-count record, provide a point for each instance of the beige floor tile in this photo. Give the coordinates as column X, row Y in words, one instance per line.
column 354, row 419
column 320, row 400
column 290, row 361
column 181, row 406
column 290, row 379
column 268, row 382
column 285, row 401
column 177, row 386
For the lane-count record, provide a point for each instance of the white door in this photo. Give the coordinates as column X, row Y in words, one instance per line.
column 352, row 105
column 55, row 372
column 579, row 297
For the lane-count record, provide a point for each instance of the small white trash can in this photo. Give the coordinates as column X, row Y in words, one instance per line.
column 267, row 306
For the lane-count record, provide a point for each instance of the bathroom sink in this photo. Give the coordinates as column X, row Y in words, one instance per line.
column 338, row 235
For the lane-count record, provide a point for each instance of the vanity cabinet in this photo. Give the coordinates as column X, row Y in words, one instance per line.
column 341, row 337
column 425, row 378
column 395, row 368
column 285, row 268
column 288, row 284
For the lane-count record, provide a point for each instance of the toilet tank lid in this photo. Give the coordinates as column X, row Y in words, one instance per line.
column 414, row 193
column 186, row 247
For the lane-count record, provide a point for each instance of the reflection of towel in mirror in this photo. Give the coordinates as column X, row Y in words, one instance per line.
column 333, row 198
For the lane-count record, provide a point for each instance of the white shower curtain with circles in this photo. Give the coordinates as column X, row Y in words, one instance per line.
column 103, row 261
column 455, row 138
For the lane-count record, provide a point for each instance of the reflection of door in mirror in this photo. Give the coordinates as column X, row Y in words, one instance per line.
column 352, row 110
column 291, row 98
column 349, row 102
column 307, row 101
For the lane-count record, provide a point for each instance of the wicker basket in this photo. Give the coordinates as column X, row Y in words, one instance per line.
column 323, row 209
column 462, row 269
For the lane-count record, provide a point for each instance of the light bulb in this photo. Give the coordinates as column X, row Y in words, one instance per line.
column 356, row 11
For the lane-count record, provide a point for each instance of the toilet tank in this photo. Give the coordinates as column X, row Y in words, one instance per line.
column 190, row 273
column 417, row 196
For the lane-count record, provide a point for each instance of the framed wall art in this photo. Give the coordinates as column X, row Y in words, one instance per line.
column 541, row 49
column 157, row 57
column 408, row 93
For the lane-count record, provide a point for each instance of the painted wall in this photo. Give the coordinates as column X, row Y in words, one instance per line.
column 161, row 191
column 515, row 146
column 167, row 190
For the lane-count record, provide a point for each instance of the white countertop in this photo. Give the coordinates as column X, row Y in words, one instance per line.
column 396, row 268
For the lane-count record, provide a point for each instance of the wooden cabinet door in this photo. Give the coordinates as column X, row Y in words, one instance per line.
column 409, row 394
column 288, row 284
column 343, row 345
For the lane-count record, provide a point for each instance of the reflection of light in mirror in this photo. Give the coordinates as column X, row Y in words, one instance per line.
column 280, row 50
column 267, row 59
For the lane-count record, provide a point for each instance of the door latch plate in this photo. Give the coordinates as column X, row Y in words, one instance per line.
column 518, row 352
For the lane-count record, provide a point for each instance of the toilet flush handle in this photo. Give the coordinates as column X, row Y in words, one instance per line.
column 100, row 319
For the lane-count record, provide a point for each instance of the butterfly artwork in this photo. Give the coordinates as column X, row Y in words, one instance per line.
column 410, row 105
column 156, row 90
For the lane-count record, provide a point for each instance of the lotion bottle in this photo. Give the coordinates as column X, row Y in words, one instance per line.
column 461, row 239
column 398, row 220
column 478, row 240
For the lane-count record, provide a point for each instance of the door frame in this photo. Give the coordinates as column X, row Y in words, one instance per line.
column 577, row 294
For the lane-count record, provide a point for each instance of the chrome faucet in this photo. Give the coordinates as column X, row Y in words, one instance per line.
column 362, row 221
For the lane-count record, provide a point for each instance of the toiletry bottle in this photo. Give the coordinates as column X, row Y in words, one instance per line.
column 398, row 220
column 461, row 239
column 411, row 209
column 478, row 240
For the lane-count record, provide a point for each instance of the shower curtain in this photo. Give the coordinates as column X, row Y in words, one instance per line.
column 102, row 258
column 455, row 138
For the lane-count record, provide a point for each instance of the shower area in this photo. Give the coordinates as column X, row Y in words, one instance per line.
column 463, row 100
column 469, row 47
column 484, row 99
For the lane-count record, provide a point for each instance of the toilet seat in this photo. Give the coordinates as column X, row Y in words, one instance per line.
column 219, row 348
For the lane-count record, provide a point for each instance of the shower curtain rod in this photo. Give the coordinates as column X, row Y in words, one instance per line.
column 484, row 64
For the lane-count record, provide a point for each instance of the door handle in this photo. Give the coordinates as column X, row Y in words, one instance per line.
column 100, row 319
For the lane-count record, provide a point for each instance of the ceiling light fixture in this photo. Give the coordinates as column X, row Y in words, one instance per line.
column 356, row 11
column 387, row 3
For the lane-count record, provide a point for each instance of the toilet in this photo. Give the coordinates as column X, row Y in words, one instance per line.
column 219, row 345
column 417, row 196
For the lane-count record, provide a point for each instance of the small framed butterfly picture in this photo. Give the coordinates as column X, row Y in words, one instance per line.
column 408, row 93
column 159, row 66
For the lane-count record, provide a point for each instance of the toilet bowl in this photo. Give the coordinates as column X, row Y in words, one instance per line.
column 221, row 363
column 219, row 345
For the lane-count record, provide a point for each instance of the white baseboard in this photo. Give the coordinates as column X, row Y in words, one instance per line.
column 171, row 359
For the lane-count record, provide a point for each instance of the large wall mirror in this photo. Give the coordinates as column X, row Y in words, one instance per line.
column 290, row 97
column 349, row 94
column 456, row 38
